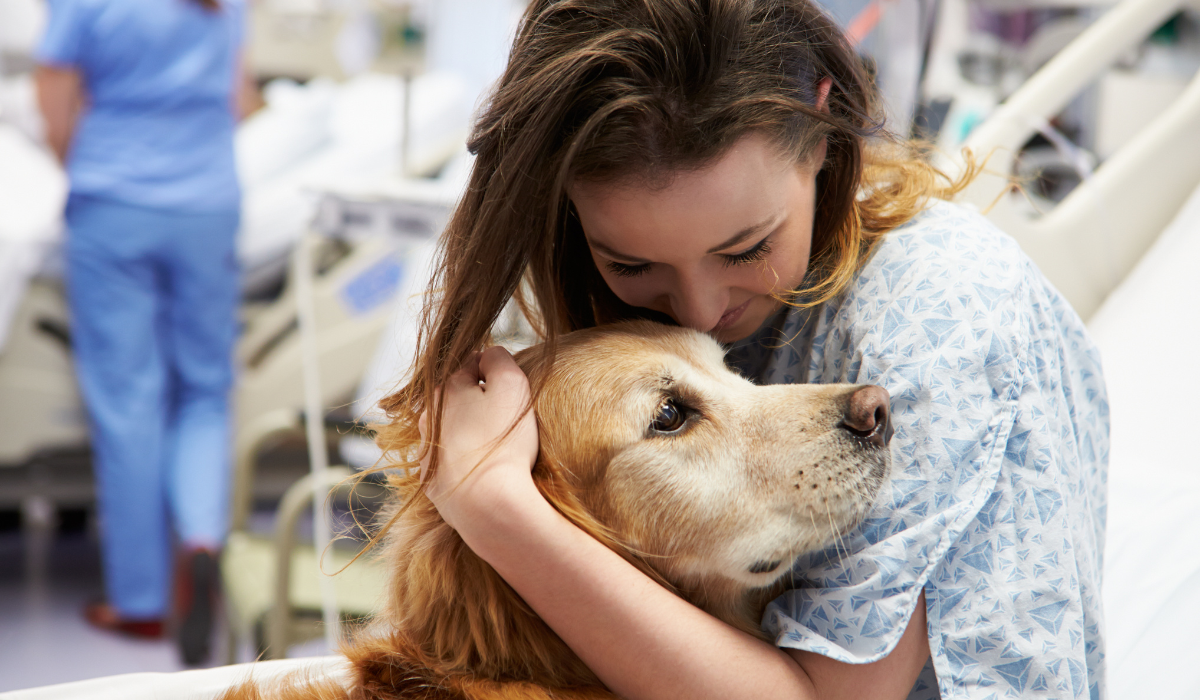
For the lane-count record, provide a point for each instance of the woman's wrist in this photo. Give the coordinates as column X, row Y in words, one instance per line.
column 492, row 506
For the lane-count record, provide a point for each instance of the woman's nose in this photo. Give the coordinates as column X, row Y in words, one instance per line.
column 697, row 311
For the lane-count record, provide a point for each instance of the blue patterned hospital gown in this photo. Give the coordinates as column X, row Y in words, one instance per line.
column 996, row 502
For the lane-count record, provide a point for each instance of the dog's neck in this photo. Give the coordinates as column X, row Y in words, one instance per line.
column 451, row 613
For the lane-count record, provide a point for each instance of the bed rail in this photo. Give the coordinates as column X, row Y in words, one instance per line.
column 1093, row 238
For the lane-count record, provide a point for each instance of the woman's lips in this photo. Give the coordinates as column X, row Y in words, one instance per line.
column 731, row 317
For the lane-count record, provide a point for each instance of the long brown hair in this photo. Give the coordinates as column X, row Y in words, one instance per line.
column 606, row 89
column 211, row 5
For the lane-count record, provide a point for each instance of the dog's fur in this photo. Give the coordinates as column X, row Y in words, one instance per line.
column 716, row 510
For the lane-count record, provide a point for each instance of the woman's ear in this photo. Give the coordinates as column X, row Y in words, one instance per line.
column 818, row 156
column 823, row 87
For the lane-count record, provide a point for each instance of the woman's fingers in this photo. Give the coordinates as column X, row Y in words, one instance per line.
column 494, row 360
column 467, row 376
column 499, row 371
column 478, row 403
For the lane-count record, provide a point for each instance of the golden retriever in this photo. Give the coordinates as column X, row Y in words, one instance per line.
column 706, row 482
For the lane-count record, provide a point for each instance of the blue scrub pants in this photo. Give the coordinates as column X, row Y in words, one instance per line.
column 153, row 297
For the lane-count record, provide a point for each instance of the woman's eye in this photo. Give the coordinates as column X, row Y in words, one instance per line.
column 758, row 252
column 622, row 270
column 669, row 419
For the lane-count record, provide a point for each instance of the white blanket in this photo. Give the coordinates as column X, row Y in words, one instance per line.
column 203, row 684
column 323, row 136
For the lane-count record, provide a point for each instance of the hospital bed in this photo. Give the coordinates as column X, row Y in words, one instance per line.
column 38, row 399
column 1093, row 246
column 1091, row 240
column 268, row 580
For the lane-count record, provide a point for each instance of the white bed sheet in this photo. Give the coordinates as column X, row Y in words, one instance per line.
column 1148, row 332
column 203, row 684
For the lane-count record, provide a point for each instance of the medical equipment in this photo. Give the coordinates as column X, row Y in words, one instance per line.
column 267, row 581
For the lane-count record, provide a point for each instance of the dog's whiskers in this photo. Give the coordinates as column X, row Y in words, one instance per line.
column 837, row 535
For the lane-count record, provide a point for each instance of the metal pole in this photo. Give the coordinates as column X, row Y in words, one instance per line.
column 406, row 124
column 318, row 458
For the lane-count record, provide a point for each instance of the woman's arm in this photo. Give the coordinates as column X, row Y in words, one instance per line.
column 639, row 638
column 60, row 98
column 246, row 97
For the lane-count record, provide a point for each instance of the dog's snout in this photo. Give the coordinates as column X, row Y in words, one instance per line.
column 867, row 415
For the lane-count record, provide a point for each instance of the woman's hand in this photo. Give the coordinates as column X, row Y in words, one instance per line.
column 477, row 462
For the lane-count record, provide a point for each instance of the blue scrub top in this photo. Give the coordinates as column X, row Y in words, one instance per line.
column 159, row 78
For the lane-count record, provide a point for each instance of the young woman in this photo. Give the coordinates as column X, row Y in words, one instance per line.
column 139, row 102
column 716, row 165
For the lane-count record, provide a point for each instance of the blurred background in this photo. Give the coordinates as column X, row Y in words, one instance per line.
column 350, row 156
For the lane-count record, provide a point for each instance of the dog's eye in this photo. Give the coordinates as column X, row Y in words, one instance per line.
column 670, row 417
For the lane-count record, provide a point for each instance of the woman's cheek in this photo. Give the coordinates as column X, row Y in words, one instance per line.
column 635, row 291
column 783, row 270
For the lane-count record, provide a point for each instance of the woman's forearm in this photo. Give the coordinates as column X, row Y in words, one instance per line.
column 639, row 638
column 60, row 98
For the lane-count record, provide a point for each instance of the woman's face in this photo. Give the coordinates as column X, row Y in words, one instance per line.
column 711, row 247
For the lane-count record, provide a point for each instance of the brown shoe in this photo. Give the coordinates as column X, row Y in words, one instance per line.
column 104, row 616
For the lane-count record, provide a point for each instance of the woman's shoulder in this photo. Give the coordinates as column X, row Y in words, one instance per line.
column 940, row 217
column 949, row 254
column 951, row 241
column 947, row 284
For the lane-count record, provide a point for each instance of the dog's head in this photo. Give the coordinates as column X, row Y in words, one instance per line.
column 698, row 477
column 702, row 474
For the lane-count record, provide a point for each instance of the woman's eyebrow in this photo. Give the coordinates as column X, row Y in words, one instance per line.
column 746, row 233
column 609, row 252
column 739, row 237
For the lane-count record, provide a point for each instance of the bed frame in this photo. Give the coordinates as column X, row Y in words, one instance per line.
column 1093, row 238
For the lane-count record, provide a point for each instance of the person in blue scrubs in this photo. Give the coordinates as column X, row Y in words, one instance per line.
column 139, row 98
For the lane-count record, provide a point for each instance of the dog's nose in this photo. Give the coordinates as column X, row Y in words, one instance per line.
column 867, row 415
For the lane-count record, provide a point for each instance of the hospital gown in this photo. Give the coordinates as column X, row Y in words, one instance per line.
column 996, row 501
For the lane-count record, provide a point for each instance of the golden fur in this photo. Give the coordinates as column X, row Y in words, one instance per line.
column 716, row 510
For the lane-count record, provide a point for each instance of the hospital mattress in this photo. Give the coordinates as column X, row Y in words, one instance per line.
column 1148, row 332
